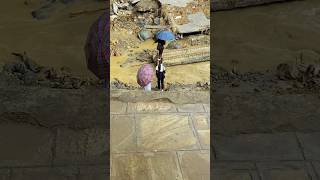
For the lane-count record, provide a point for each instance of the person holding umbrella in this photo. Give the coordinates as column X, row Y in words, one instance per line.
column 160, row 47
column 160, row 72
column 144, row 76
column 162, row 37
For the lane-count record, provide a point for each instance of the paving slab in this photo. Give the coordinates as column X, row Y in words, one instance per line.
column 176, row 97
column 295, row 170
column 204, row 138
column 94, row 173
column 227, row 165
column 310, row 143
column 25, row 145
column 123, row 135
column 165, row 132
column 231, row 175
column 5, row 174
column 145, row 166
column 85, row 108
column 143, row 107
column 201, row 121
column 81, row 146
column 117, row 107
column 195, row 165
column 207, row 107
column 282, row 146
column 246, row 112
column 47, row 173
column 201, row 124
column 190, row 108
column 316, row 165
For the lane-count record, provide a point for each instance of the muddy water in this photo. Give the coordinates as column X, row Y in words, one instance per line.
column 57, row 41
column 260, row 38
column 186, row 74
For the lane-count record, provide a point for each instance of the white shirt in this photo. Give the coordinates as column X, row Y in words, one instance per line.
column 162, row 68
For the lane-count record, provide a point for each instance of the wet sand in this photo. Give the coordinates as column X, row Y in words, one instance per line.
column 57, row 41
column 184, row 74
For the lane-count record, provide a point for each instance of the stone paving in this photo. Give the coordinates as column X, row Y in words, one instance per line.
column 160, row 140
column 258, row 141
column 49, row 134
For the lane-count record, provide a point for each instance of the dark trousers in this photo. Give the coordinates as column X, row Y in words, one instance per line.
column 161, row 81
column 160, row 52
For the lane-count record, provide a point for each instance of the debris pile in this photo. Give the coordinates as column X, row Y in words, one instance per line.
column 25, row 71
column 307, row 74
column 133, row 21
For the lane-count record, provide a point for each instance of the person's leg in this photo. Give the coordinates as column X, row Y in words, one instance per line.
column 160, row 52
column 158, row 83
column 162, row 83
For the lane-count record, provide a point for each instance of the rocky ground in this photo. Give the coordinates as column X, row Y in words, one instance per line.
column 134, row 25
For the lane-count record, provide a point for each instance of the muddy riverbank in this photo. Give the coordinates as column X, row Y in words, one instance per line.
column 259, row 38
column 56, row 39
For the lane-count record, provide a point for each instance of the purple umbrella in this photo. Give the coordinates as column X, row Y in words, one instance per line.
column 97, row 47
column 145, row 75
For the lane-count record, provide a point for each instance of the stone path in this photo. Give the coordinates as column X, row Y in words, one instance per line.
column 265, row 137
column 53, row 134
column 160, row 140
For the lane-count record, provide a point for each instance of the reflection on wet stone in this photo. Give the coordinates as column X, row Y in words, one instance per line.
column 165, row 132
column 147, row 166
column 122, row 134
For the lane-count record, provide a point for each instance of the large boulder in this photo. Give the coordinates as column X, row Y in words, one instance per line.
column 97, row 47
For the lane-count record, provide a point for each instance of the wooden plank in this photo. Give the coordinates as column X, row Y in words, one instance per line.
column 155, row 27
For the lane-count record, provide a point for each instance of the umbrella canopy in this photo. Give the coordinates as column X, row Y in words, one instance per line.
column 145, row 75
column 97, row 47
column 165, row 35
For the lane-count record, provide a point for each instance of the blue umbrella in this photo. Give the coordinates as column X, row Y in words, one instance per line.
column 165, row 35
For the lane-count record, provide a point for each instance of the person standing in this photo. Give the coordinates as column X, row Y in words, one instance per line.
column 160, row 47
column 160, row 72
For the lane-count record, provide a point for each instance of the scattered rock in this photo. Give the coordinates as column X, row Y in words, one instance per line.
column 174, row 45
column 147, row 5
column 144, row 35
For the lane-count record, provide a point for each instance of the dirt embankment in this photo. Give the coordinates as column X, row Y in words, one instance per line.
column 22, row 70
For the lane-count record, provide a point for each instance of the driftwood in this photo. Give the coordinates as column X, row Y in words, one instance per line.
column 74, row 14
column 155, row 27
column 218, row 5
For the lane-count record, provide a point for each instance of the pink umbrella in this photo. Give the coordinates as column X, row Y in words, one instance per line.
column 97, row 47
column 145, row 75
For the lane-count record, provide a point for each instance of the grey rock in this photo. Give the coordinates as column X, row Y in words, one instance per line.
column 144, row 35
column 174, row 45
column 147, row 5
